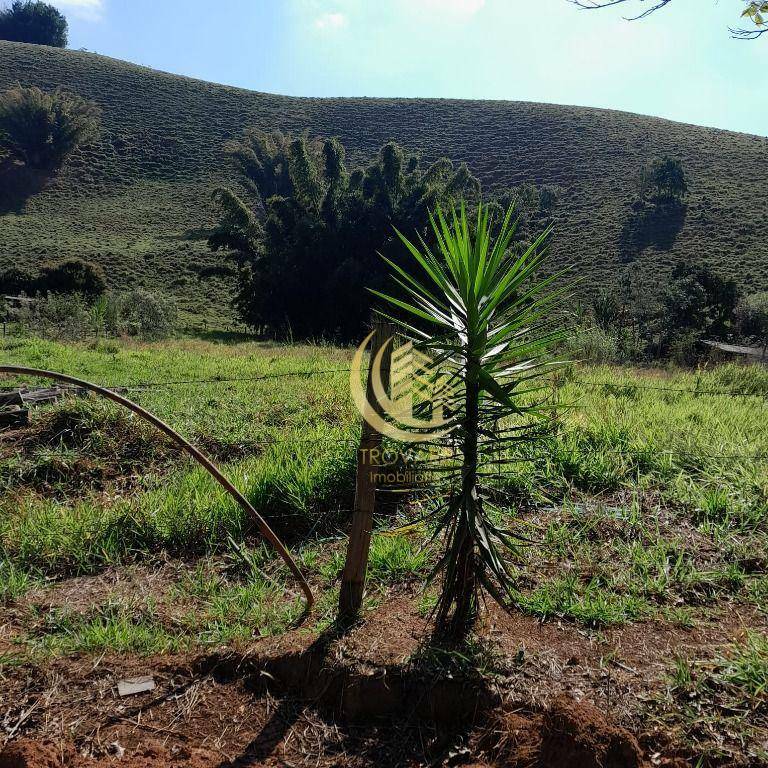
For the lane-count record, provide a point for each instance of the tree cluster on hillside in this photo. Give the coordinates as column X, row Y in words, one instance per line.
column 42, row 129
column 658, row 209
column 308, row 238
column 754, row 13
column 308, row 233
column 31, row 21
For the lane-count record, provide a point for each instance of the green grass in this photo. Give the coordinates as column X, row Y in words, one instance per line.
column 646, row 504
column 138, row 201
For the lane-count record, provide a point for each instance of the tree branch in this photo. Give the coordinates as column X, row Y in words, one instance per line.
column 761, row 27
column 592, row 5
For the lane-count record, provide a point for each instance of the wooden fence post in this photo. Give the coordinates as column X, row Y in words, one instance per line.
column 353, row 576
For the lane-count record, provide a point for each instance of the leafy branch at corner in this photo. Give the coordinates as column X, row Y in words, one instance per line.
column 756, row 12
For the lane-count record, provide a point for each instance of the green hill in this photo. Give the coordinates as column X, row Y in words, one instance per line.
column 137, row 201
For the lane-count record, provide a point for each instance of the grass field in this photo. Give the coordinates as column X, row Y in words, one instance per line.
column 139, row 201
column 648, row 513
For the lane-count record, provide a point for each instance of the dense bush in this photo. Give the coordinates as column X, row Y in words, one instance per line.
column 27, row 21
column 145, row 315
column 72, row 276
column 56, row 316
column 695, row 304
column 76, row 317
column 41, row 129
column 17, row 280
column 309, row 237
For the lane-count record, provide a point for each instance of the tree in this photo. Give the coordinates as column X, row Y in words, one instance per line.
column 42, row 129
column 72, row 276
column 476, row 306
column 755, row 11
column 663, row 181
column 697, row 304
column 307, row 231
column 27, row 21
column 752, row 313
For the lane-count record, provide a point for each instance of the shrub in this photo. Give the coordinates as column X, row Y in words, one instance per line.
column 27, row 21
column 57, row 316
column 698, row 303
column 663, row 181
column 41, row 129
column 145, row 315
column 592, row 344
column 72, row 276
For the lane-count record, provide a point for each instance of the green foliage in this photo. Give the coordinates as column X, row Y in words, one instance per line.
column 146, row 315
column 63, row 277
column 304, row 269
column 41, row 129
column 77, row 316
column 137, row 201
column 486, row 318
column 31, row 21
column 697, row 303
column 17, row 280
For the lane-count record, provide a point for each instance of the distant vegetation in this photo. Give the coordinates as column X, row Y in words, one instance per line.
column 696, row 304
column 663, row 181
column 68, row 276
column 42, row 129
column 69, row 300
column 752, row 313
column 27, row 21
column 137, row 199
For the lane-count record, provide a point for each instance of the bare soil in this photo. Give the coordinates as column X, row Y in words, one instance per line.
column 536, row 695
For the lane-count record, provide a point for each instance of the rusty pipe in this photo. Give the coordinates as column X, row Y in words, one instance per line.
column 196, row 454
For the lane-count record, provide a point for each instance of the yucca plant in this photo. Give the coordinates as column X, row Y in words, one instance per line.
column 475, row 305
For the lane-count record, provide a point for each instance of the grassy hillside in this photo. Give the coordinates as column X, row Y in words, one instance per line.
column 137, row 200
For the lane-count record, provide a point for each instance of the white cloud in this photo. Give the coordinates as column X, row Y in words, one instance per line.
column 90, row 10
column 462, row 9
column 331, row 21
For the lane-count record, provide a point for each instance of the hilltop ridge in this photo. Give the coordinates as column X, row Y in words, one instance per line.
column 139, row 200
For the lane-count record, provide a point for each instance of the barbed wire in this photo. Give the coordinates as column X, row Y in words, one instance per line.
column 712, row 392
column 329, row 371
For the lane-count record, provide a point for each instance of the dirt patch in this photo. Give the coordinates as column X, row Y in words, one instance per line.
column 576, row 735
column 29, row 754
column 508, row 701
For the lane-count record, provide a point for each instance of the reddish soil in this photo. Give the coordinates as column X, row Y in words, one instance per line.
column 550, row 696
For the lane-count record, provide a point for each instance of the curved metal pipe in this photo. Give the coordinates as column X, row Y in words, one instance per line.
column 199, row 457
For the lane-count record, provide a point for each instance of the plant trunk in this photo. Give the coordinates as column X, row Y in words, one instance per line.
column 458, row 609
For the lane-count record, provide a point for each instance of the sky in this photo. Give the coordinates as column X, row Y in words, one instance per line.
column 675, row 64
